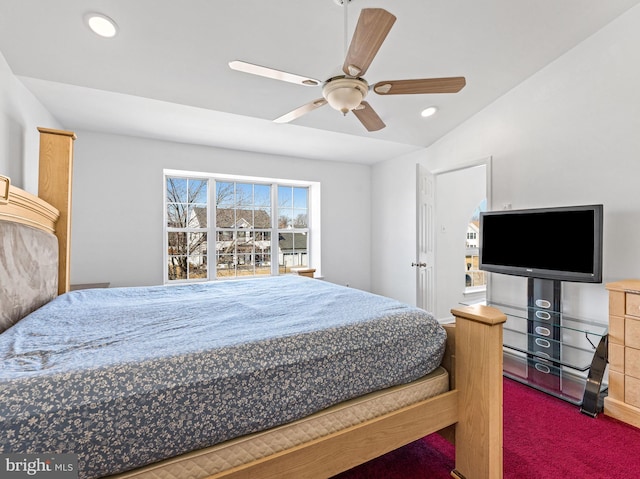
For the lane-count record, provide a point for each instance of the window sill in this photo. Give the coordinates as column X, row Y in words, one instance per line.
column 474, row 290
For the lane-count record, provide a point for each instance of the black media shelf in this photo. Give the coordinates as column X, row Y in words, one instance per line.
column 554, row 353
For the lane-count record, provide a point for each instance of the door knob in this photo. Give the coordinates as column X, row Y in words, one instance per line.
column 419, row 265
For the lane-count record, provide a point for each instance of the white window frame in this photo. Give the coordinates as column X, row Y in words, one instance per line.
column 313, row 225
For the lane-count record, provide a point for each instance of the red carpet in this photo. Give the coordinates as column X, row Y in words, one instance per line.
column 544, row 438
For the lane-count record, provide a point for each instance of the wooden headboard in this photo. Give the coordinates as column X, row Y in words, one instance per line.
column 28, row 253
column 35, row 231
column 19, row 206
column 54, row 187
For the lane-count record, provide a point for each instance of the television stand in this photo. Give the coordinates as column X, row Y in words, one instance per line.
column 547, row 350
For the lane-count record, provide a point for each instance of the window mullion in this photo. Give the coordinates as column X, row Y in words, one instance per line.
column 212, row 240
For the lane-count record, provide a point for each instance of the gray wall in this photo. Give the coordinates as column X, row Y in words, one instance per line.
column 119, row 192
column 20, row 116
column 567, row 135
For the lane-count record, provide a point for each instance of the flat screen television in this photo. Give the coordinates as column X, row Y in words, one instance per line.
column 561, row 243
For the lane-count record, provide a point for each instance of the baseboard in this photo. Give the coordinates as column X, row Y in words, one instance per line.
column 622, row 411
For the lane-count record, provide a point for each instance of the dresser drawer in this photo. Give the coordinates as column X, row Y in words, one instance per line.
column 632, row 332
column 633, row 305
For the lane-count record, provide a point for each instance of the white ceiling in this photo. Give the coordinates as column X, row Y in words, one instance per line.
column 166, row 75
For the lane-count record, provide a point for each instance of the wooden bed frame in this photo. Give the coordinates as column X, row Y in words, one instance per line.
column 470, row 413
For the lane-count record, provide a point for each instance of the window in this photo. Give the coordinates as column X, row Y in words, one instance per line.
column 293, row 213
column 243, row 229
column 246, row 216
column 186, row 205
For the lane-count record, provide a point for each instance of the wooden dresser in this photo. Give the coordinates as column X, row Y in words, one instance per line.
column 623, row 401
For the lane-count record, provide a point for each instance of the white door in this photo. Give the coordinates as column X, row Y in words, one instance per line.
column 425, row 241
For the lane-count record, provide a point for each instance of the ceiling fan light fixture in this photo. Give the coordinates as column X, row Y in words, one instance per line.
column 344, row 99
column 101, row 25
column 429, row 111
column 345, row 94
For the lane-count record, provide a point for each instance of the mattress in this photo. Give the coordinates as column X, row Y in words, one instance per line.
column 200, row 464
column 126, row 377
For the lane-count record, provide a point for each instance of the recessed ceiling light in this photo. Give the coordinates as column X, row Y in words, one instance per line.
column 429, row 111
column 101, row 25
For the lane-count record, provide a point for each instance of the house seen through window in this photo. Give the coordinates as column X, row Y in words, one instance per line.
column 242, row 228
column 474, row 277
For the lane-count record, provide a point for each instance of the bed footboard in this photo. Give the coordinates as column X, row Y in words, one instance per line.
column 478, row 379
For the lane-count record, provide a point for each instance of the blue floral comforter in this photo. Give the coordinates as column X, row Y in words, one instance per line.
column 125, row 377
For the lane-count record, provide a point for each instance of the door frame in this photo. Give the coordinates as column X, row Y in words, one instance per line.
column 431, row 292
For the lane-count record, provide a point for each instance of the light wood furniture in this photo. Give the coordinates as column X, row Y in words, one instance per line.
column 470, row 412
column 5, row 185
column 309, row 272
column 22, row 207
column 623, row 401
column 54, row 187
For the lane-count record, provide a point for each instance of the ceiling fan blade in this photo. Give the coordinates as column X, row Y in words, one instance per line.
column 425, row 85
column 368, row 117
column 372, row 28
column 271, row 73
column 303, row 110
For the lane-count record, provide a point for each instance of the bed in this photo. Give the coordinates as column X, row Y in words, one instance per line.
column 278, row 377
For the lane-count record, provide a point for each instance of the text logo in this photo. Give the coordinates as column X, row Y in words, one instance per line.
column 44, row 466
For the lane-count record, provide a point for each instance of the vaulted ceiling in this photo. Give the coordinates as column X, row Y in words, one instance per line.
column 166, row 74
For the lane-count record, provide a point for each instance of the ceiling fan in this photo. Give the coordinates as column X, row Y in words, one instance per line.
column 347, row 92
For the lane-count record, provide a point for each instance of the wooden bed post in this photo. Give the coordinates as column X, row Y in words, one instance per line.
column 478, row 366
column 54, row 187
